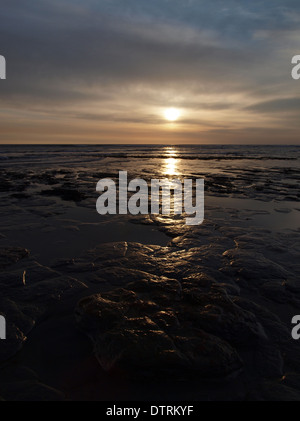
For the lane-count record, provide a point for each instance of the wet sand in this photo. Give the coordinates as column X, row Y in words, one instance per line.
column 218, row 298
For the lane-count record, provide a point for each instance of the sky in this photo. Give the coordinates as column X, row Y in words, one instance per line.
column 105, row 71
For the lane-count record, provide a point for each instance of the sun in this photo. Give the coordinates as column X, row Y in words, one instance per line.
column 172, row 114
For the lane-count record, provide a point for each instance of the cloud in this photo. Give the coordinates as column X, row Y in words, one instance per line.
column 279, row 105
column 116, row 61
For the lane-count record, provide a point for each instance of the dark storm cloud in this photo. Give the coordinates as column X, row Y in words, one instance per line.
column 62, row 53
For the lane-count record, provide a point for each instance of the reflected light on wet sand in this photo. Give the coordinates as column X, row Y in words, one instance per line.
column 171, row 163
column 170, row 166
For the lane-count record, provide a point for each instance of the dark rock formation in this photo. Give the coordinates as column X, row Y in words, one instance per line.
column 147, row 328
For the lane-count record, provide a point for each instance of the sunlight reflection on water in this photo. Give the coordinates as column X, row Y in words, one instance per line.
column 171, row 163
column 170, row 166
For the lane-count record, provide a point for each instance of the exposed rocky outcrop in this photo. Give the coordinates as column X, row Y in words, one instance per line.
column 210, row 311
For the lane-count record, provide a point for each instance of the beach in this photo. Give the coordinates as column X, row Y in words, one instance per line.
column 123, row 307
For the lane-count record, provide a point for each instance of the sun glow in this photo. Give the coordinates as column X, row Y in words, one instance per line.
column 172, row 114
